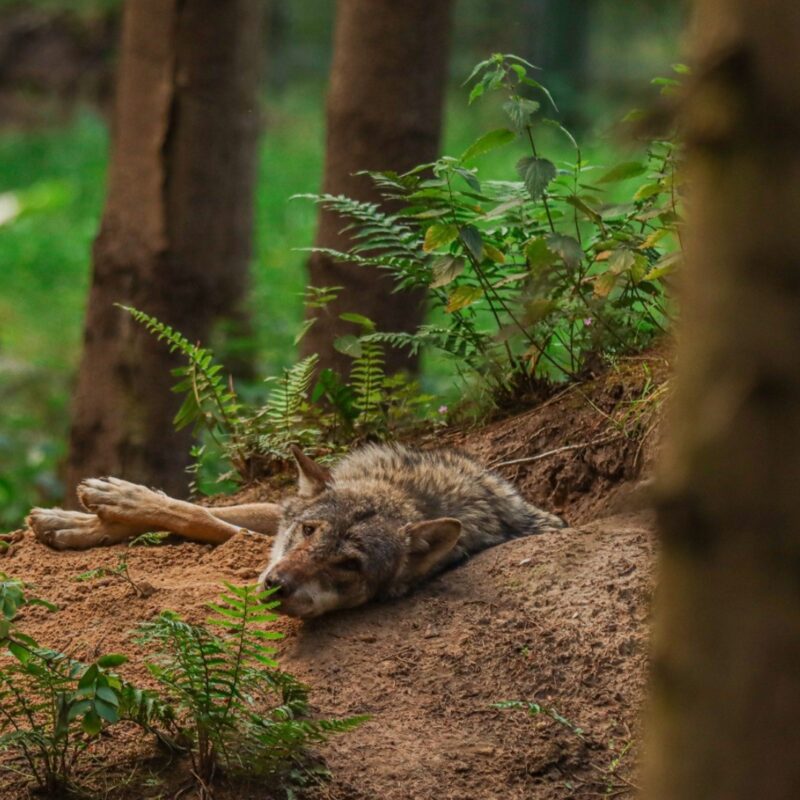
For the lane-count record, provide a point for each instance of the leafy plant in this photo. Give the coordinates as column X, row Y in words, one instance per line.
column 54, row 708
column 535, row 277
column 236, row 708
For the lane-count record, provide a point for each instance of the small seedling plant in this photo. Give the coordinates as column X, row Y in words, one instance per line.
column 121, row 570
column 239, row 712
column 53, row 708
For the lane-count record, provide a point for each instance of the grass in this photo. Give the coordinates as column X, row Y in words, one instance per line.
column 57, row 177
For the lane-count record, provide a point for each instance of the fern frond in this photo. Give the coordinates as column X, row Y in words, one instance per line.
column 209, row 398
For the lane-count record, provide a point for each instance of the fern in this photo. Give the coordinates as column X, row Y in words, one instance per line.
column 380, row 239
column 367, row 376
column 209, row 399
column 238, row 709
column 284, row 416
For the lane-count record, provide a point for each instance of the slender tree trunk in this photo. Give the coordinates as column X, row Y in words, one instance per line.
column 726, row 658
column 176, row 231
column 384, row 111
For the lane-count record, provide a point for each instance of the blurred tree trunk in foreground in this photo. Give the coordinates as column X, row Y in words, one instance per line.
column 726, row 673
column 384, row 111
column 176, row 231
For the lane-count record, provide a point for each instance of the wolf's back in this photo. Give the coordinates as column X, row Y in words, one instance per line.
column 447, row 483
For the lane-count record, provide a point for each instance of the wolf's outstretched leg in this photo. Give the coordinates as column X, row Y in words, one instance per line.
column 128, row 504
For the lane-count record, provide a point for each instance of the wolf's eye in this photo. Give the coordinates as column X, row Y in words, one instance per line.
column 307, row 529
column 349, row 564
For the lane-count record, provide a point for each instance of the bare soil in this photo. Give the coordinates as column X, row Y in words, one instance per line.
column 560, row 619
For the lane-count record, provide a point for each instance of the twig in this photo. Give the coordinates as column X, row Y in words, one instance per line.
column 557, row 450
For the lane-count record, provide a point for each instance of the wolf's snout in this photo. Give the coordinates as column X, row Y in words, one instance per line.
column 279, row 584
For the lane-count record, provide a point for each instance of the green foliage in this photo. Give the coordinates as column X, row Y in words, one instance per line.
column 54, row 708
column 535, row 278
column 303, row 406
column 236, row 708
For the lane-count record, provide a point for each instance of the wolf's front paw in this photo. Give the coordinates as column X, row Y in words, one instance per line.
column 65, row 530
column 120, row 501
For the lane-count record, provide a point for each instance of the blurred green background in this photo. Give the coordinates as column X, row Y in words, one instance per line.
column 56, row 78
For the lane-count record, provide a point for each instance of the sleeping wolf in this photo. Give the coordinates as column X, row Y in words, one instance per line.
column 385, row 518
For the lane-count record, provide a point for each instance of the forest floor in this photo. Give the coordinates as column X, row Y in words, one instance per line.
column 559, row 619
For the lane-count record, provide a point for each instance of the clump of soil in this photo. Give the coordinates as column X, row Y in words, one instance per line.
column 558, row 619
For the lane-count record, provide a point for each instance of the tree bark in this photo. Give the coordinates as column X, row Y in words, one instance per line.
column 726, row 652
column 175, row 236
column 384, row 111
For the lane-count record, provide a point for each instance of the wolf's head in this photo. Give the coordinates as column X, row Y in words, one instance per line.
column 340, row 546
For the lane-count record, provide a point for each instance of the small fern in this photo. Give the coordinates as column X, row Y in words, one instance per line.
column 238, row 710
column 284, row 416
column 209, row 400
column 366, row 379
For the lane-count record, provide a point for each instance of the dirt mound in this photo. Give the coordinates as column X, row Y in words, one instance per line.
column 558, row 619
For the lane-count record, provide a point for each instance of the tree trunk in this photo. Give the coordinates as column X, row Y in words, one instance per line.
column 384, row 111
column 726, row 654
column 175, row 237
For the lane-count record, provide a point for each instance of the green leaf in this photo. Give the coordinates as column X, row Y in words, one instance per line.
column 22, row 654
column 108, row 695
column 445, row 270
column 537, row 309
column 105, row 710
column 665, row 266
column 605, row 283
column 536, row 173
column 349, row 345
column 567, row 247
column 439, row 235
column 92, row 724
column 543, row 89
column 553, row 123
column 621, row 261
column 469, row 177
column 112, row 660
column 493, row 253
column 359, row 319
column 520, row 111
column 579, row 203
column 488, row 142
column 473, row 241
column 462, row 297
column 539, row 255
column 477, row 90
column 622, row 172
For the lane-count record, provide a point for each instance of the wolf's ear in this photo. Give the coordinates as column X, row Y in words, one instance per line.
column 429, row 542
column 311, row 477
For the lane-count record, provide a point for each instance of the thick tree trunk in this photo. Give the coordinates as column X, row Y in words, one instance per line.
column 384, row 112
column 726, row 671
column 176, row 231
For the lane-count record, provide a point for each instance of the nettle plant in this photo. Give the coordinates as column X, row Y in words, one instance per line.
column 535, row 277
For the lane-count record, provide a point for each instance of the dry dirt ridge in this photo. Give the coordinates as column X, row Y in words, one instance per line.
column 560, row 619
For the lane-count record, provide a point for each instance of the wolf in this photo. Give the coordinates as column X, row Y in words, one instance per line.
column 385, row 518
